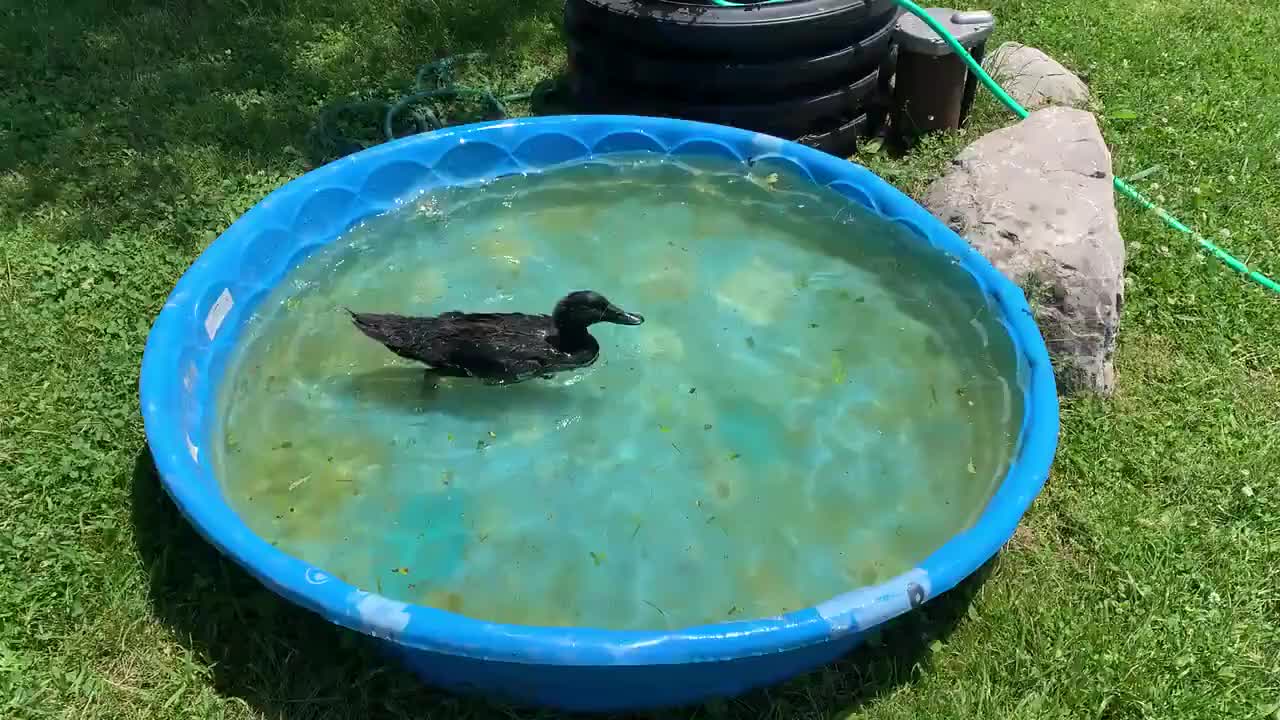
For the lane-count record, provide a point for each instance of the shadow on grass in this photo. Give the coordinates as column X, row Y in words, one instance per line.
column 293, row 665
column 153, row 116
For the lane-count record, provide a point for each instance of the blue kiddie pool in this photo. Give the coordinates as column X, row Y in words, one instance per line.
column 683, row 578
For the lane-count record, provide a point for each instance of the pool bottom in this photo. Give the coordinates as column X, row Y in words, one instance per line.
column 813, row 405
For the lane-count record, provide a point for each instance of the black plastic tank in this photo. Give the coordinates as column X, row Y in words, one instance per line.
column 815, row 71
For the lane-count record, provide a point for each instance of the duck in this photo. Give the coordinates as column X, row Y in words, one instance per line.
column 499, row 348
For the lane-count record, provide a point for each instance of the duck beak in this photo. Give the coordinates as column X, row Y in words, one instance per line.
column 618, row 316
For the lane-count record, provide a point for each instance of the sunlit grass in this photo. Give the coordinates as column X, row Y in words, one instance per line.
column 1142, row 584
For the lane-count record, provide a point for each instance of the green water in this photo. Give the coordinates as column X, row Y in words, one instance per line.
column 813, row 404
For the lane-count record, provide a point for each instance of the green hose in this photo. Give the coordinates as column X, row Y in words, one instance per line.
column 1121, row 186
column 433, row 82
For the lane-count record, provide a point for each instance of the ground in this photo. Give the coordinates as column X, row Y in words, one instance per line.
column 1143, row 582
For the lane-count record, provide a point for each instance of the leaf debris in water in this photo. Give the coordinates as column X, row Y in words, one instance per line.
column 596, row 557
column 400, row 570
column 733, row 610
column 664, row 428
column 493, row 434
column 296, row 483
column 970, row 467
column 734, row 456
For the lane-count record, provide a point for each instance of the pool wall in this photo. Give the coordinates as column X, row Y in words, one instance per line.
column 572, row 668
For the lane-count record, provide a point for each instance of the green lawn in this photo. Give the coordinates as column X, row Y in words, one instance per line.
column 1145, row 581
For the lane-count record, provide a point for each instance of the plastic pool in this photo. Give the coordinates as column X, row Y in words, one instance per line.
column 574, row 668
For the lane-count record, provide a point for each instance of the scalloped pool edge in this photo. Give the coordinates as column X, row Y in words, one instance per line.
column 192, row 337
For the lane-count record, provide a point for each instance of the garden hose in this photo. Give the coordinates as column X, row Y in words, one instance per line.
column 1121, row 186
column 434, row 81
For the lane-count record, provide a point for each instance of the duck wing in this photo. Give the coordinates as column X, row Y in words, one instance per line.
column 499, row 359
column 506, row 346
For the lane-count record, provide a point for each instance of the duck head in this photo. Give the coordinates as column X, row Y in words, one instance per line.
column 585, row 307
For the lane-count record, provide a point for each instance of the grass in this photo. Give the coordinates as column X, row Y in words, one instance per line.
column 1143, row 583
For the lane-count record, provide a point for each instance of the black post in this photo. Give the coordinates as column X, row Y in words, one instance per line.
column 971, row 83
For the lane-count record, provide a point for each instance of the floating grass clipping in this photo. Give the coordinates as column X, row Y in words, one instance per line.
column 838, row 374
column 655, row 607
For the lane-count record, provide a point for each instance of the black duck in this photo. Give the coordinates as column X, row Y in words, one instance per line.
column 499, row 348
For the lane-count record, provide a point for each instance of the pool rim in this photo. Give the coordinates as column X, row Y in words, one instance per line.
column 429, row 629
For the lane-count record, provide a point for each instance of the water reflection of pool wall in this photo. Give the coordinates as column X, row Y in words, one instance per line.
column 192, row 339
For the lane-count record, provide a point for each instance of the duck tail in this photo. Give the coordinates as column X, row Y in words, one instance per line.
column 370, row 325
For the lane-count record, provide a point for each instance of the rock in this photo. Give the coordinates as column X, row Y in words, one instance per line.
column 1036, row 200
column 1034, row 79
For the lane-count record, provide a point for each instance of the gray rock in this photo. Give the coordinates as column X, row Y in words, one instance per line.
column 1036, row 200
column 1034, row 79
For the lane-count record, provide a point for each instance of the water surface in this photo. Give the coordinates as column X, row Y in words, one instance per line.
column 815, row 403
